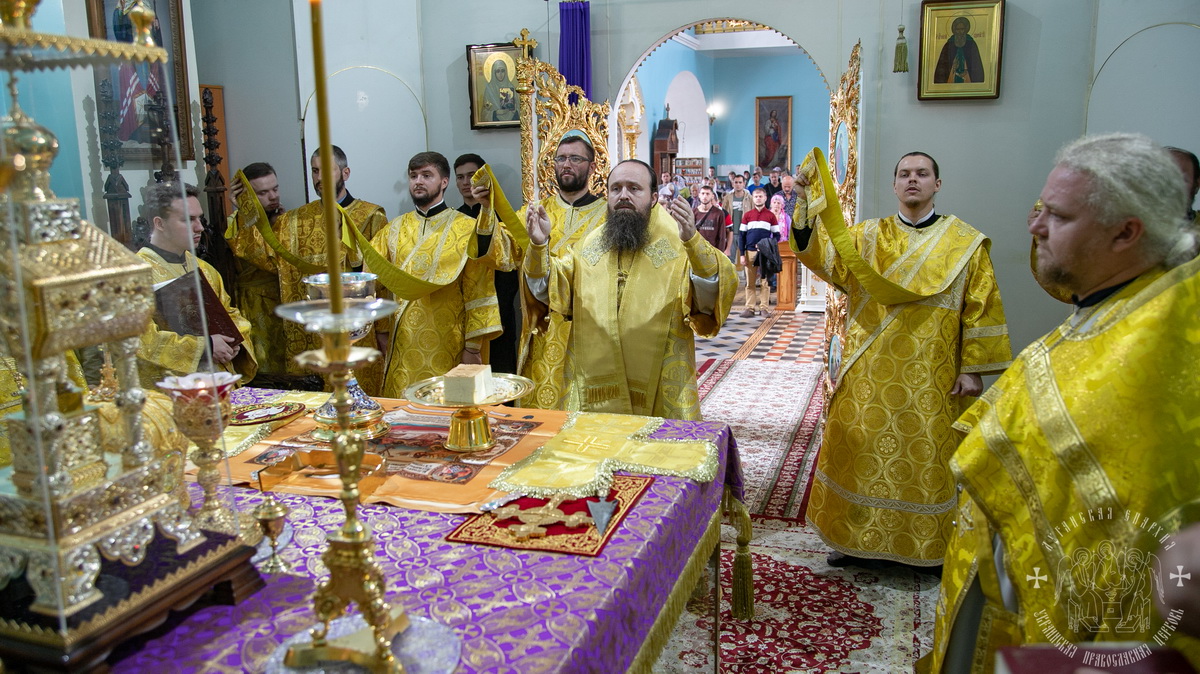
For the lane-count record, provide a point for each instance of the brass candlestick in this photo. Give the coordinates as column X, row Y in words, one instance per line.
column 272, row 516
column 201, row 410
column 366, row 416
column 354, row 577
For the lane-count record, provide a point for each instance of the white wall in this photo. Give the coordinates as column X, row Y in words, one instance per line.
column 249, row 49
column 373, row 65
column 688, row 102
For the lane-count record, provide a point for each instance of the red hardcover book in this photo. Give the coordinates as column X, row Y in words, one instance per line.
column 177, row 308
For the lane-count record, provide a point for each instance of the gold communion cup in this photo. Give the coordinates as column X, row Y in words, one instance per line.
column 201, row 410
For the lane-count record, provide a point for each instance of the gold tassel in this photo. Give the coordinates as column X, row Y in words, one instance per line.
column 742, row 602
column 901, row 63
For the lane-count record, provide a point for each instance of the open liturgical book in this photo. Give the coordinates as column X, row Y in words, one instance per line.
column 177, row 308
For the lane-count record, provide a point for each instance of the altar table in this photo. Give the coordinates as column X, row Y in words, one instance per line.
column 516, row 611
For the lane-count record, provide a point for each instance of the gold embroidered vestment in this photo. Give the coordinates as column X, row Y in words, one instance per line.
column 1086, row 448
column 882, row 487
column 546, row 334
column 633, row 350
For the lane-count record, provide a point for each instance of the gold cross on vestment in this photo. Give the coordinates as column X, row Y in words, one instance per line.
column 525, row 43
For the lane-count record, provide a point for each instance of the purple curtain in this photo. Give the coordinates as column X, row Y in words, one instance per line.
column 575, row 44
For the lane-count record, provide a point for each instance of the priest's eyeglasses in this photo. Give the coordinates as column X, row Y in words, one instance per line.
column 572, row 158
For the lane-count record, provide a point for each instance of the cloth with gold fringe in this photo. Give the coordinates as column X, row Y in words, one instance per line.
column 923, row 308
column 515, row 610
column 585, row 539
column 1083, row 450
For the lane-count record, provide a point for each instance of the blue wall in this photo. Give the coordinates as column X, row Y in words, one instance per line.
column 661, row 67
column 46, row 97
column 739, row 80
column 735, row 82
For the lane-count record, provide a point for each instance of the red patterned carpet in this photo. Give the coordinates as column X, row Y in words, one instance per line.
column 809, row 617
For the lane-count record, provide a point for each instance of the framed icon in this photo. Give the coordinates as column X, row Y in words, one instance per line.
column 492, row 82
column 773, row 132
column 961, row 48
column 135, row 86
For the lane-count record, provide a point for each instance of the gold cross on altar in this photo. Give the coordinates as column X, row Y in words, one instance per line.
column 535, row 520
column 588, row 444
column 525, row 43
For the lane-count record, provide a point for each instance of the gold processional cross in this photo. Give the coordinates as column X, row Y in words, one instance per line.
column 525, row 44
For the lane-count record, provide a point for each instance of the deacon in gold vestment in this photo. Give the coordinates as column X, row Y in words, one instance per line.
column 300, row 235
column 924, row 322
column 452, row 317
column 1084, row 458
column 174, row 232
column 574, row 212
column 635, row 290
column 256, row 292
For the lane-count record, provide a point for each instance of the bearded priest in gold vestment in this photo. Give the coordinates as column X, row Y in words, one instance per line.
column 300, row 237
column 924, row 322
column 447, row 296
column 635, row 290
column 174, row 234
column 1083, row 460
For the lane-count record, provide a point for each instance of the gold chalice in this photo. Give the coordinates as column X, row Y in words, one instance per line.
column 366, row 416
column 470, row 426
column 272, row 516
column 201, row 410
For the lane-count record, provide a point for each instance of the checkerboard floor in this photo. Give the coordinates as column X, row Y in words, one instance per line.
column 793, row 336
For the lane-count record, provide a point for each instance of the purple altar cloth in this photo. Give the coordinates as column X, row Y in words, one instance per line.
column 516, row 611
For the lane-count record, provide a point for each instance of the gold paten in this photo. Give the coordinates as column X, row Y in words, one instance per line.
column 470, row 427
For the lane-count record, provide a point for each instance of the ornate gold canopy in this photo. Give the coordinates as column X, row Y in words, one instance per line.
column 547, row 107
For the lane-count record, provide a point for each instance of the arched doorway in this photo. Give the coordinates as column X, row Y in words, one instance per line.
column 734, row 62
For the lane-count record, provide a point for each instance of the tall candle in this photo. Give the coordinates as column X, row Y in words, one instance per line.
column 333, row 242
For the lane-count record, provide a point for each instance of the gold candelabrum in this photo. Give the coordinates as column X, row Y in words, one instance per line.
column 366, row 416
column 201, row 409
column 354, row 577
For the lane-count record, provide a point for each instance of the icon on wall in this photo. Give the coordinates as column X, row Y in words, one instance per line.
column 492, row 82
column 960, row 49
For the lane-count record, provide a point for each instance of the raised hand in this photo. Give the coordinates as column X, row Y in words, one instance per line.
column 681, row 210
column 537, row 222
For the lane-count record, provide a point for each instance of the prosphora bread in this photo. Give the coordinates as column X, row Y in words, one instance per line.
column 469, row 384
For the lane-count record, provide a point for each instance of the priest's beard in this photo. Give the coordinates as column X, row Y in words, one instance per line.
column 423, row 199
column 627, row 229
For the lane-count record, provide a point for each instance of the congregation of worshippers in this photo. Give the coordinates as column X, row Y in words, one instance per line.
column 946, row 446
